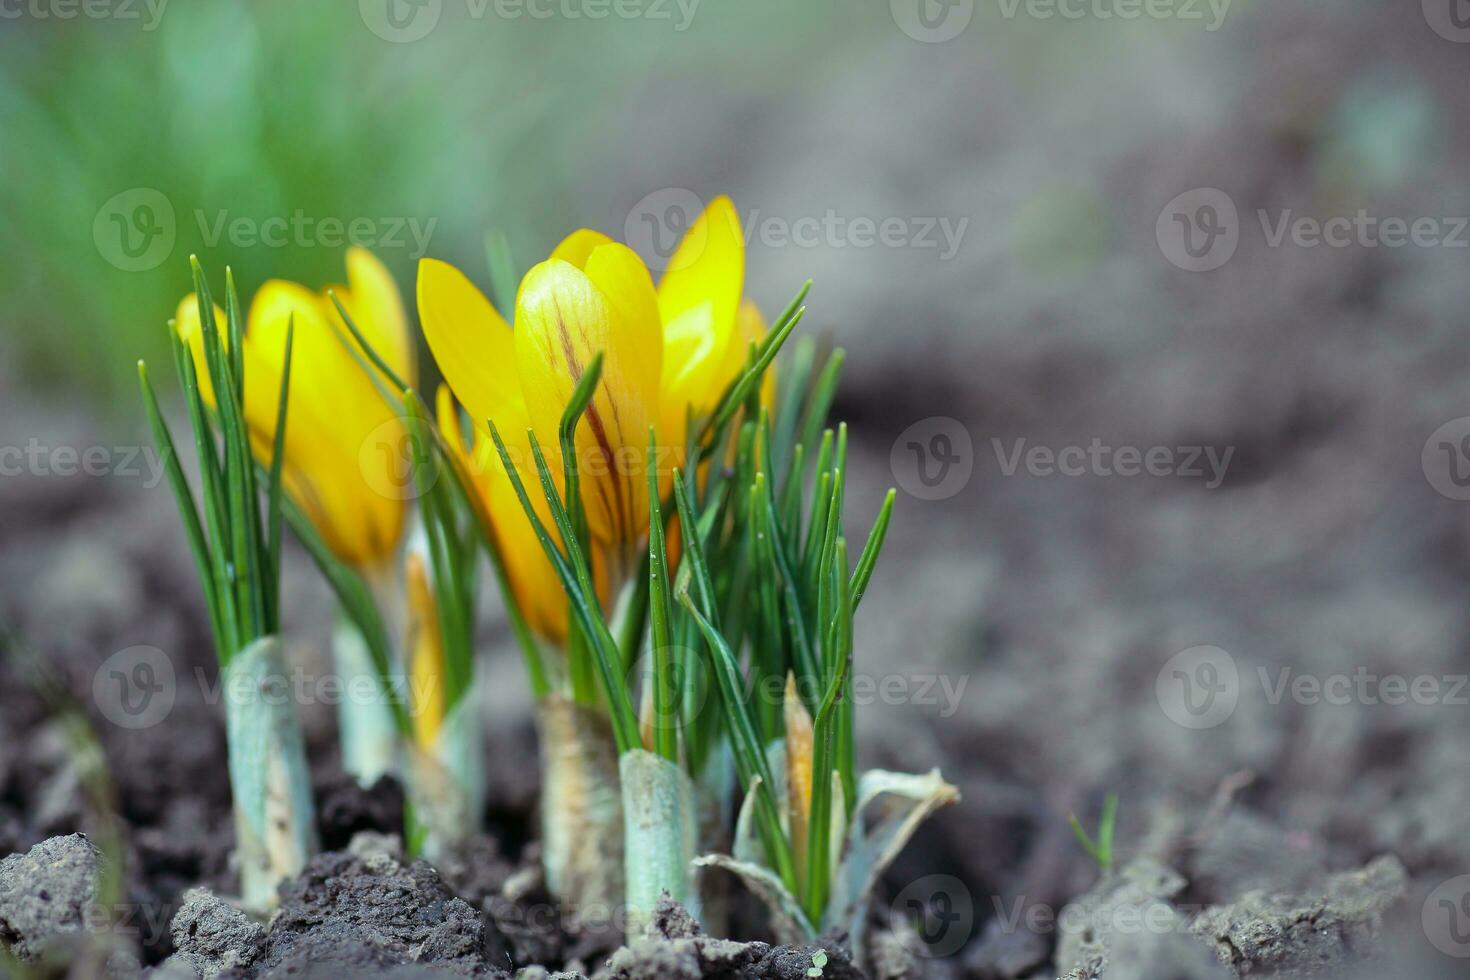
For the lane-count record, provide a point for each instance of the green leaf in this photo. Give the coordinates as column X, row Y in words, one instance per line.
column 624, row 721
column 273, row 492
column 184, row 497
column 665, row 710
column 869, row 558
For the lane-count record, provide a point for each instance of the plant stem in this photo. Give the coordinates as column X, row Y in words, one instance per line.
column 368, row 731
column 659, row 836
column 274, row 827
column 581, row 810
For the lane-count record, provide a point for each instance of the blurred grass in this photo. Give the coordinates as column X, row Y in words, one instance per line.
column 265, row 109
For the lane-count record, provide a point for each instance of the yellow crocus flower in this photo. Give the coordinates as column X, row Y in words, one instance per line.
column 344, row 464
column 591, row 296
column 666, row 351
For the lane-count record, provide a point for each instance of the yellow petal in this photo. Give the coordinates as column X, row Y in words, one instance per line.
column 187, row 326
column 426, row 655
column 345, row 448
column 698, row 299
column 471, row 342
column 376, row 308
column 578, row 246
column 563, row 320
column 708, row 266
column 622, row 277
column 800, row 745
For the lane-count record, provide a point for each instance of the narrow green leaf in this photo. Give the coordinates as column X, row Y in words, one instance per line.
column 665, row 711
column 624, row 721
column 273, row 493
column 750, row 757
column 188, row 512
column 868, row 560
column 367, row 348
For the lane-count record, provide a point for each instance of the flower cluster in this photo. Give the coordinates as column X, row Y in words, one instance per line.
column 662, row 505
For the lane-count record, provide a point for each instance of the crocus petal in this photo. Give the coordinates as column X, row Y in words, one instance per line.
column 698, row 299
column 377, row 311
column 187, row 326
column 579, row 245
column 426, row 655
column 344, row 460
column 708, row 266
column 622, row 277
column 471, row 342
column 563, row 321
column 618, row 272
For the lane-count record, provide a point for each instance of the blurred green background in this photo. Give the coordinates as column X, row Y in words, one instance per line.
column 279, row 108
